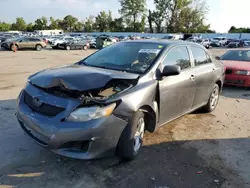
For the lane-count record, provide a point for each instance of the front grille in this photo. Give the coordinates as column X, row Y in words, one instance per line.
column 229, row 71
column 44, row 109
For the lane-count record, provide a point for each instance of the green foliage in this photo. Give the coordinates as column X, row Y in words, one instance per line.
column 103, row 21
column 41, row 23
column 19, row 25
column 132, row 9
column 180, row 16
column 30, row 27
column 54, row 24
column 233, row 29
column 68, row 23
column 171, row 16
column 89, row 24
column 4, row 26
column 117, row 25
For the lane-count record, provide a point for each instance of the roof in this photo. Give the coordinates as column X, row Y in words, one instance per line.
column 162, row 41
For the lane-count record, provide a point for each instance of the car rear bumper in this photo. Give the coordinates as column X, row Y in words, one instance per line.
column 83, row 140
column 237, row 80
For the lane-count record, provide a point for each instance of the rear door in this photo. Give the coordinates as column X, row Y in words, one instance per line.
column 204, row 74
column 177, row 92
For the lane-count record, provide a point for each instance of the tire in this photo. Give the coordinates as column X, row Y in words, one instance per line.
column 130, row 141
column 213, row 100
column 54, row 47
column 67, row 47
column 14, row 46
column 38, row 47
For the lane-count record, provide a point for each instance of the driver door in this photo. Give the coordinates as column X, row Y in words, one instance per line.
column 23, row 43
column 177, row 92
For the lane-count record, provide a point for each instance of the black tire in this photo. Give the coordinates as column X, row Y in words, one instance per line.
column 39, row 47
column 126, row 145
column 54, row 47
column 211, row 105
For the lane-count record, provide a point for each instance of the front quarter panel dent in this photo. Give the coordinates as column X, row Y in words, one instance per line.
column 139, row 95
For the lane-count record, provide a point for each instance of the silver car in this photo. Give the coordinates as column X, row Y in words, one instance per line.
column 103, row 104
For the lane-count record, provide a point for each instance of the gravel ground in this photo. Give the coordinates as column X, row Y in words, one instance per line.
column 196, row 151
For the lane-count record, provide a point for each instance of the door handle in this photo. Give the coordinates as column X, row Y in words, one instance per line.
column 192, row 77
column 213, row 69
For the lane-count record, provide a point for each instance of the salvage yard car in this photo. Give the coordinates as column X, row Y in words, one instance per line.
column 24, row 43
column 237, row 63
column 75, row 45
column 104, row 103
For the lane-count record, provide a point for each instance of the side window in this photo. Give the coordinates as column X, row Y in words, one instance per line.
column 200, row 56
column 178, row 56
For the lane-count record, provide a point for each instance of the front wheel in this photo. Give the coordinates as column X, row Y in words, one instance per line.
column 130, row 141
column 39, row 47
column 67, row 47
column 213, row 99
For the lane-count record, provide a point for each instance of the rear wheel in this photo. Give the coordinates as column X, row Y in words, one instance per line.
column 213, row 99
column 39, row 47
column 130, row 141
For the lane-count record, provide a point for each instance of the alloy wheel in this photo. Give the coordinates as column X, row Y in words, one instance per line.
column 139, row 133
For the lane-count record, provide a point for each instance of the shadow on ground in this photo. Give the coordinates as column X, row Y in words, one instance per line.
column 236, row 92
column 170, row 163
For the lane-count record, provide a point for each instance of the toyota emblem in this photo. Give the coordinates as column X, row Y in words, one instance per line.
column 37, row 102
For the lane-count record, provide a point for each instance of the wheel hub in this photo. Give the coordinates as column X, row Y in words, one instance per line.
column 139, row 134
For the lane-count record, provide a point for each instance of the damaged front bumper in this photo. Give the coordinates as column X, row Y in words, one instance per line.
column 82, row 140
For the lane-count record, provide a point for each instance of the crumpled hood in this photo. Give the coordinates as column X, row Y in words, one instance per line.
column 77, row 77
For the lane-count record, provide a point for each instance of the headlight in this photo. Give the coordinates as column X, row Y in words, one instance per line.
column 90, row 113
column 243, row 72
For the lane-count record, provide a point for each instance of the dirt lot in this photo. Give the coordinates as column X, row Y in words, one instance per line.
column 196, row 151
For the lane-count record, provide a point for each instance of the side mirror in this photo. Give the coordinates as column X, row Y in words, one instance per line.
column 217, row 57
column 171, row 70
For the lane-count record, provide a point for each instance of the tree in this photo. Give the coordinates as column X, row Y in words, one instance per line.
column 68, row 23
column 19, row 25
column 160, row 14
column 54, row 24
column 41, row 23
column 150, row 19
column 103, row 21
column 89, row 24
column 117, row 25
column 4, row 26
column 79, row 26
column 30, row 27
column 180, row 15
column 132, row 9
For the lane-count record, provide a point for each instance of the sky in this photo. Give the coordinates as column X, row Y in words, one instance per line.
column 222, row 13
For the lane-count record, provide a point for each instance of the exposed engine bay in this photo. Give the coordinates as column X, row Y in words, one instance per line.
column 95, row 95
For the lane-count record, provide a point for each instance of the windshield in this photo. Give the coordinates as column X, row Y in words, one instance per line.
column 237, row 55
column 135, row 57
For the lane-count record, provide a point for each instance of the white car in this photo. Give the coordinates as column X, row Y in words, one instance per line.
column 55, row 43
column 221, row 41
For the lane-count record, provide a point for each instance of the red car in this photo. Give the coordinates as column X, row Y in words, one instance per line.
column 237, row 63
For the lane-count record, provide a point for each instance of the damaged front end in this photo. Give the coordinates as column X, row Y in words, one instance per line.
column 93, row 96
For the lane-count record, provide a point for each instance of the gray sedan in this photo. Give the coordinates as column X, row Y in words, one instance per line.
column 103, row 104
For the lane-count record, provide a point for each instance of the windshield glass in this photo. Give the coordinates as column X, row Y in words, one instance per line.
column 237, row 55
column 135, row 57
